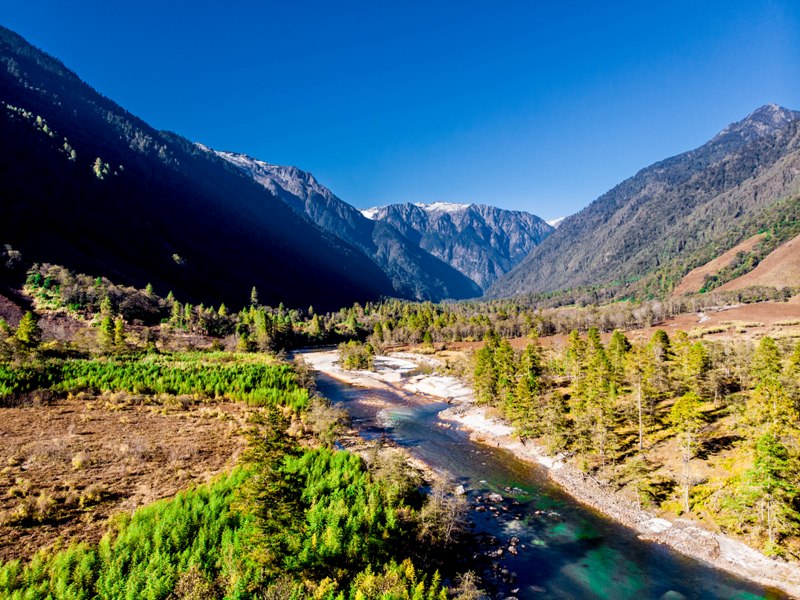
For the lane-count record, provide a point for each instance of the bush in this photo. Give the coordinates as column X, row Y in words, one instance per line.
column 355, row 356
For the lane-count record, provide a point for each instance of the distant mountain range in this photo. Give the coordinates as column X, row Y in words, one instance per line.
column 88, row 185
column 482, row 242
column 414, row 273
column 669, row 211
column 429, row 251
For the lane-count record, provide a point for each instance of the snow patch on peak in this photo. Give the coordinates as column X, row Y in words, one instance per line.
column 275, row 178
column 371, row 213
column 555, row 222
column 246, row 163
column 442, row 207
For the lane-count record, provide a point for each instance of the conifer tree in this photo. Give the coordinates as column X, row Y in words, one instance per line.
column 765, row 368
column 658, row 362
column 315, row 328
column 686, row 417
column 771, row 488
column 506, row 370
column 485, row 373
column 527, row 408
column 176, row 315
column 28, row 332
column 106, row 308
column 119, row 332
column 105, row 334
column 618, row 348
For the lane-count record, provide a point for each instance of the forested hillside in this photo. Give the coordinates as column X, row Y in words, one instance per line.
column 90, row 186
column 708, row 429
column 668, row 210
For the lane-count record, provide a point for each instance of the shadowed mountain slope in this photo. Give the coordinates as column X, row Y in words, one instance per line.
column 414, row 273
column 88, row 185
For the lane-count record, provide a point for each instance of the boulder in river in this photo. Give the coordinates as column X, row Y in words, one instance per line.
column 494, row 497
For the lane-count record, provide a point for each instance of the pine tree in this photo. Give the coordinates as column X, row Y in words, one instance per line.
column 106, row 308
column 28, row 332
column 315, row 328
column 770, row 486
column 686, row 417
column 485, row 370
column 176, row 315
column 506, row 371
column 119, row 332
column 526, row 410
column 618, row 348
column 658, row 362
column 765, row 368
column 575, row 356
column 640, row 371
column 105, row 335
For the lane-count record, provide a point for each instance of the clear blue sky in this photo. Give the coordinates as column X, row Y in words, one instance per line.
column 525, row 105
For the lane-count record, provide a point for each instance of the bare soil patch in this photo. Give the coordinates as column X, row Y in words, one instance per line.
column 694, row 279
column 10, row 311
column 67, row 467
column 743, row 321
column 780, row 268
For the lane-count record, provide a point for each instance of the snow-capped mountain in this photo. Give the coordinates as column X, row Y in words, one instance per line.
column 482, row 242
column 414, row 273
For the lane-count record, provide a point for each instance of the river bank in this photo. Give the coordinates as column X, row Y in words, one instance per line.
column 409, row 377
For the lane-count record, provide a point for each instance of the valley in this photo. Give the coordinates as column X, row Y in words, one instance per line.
column 220, row 379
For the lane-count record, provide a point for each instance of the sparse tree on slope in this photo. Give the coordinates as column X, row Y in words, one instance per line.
column 28, row 332
column 686, row 418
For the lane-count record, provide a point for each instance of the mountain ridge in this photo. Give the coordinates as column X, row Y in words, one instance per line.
column 479, row 240
column 142, row 205
column 414, row 273
column 668, row 208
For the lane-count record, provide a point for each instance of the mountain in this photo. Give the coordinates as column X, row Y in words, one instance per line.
column 90, row 186
column 482, row 242
column 668, row 210
column 414, row 273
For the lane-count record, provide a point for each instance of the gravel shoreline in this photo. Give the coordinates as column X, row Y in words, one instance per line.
column 682, row 535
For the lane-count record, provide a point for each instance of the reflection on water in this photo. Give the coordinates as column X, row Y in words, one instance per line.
column 552, row 547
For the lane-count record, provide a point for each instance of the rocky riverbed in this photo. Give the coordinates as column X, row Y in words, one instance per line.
column 410, row 376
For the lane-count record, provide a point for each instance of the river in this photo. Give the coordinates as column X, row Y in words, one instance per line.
column 563, row 548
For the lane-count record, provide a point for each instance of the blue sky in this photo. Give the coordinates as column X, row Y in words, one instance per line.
column 526, row 105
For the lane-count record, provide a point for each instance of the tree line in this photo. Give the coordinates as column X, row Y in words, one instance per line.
column 616, row 408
